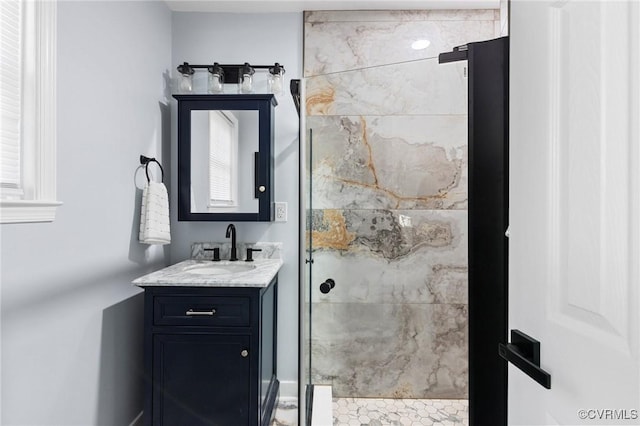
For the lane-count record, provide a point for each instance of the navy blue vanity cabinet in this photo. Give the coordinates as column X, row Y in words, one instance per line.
column 210, row 355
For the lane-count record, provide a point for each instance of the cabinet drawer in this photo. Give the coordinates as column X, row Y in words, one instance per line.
column 201, row 311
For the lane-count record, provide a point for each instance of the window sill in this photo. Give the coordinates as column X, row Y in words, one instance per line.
column 24, row 211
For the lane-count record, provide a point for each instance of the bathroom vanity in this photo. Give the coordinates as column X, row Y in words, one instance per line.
column 210, row 343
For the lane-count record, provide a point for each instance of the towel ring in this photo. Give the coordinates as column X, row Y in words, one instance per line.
column 145, row 161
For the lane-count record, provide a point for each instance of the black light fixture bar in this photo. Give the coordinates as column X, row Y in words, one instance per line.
column 232, row 66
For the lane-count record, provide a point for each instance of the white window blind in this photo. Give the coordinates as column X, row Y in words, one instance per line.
column 11, row 98
column 28, row 104
column 222, row 159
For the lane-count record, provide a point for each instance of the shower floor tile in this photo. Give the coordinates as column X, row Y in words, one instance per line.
column 409, row 412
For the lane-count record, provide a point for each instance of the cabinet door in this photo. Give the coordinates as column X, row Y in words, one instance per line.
column 201, row 379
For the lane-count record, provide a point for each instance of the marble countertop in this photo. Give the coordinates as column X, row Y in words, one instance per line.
column 182, row 274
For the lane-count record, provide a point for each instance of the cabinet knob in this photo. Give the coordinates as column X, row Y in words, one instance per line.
column 244, row 353
column 262, row 188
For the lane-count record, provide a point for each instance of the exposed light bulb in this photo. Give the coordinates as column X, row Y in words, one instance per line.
column 186, row 83
column 246, row 81
column 186, row 78
column 215, row 83
column 275, row 84
column 275, row 81
column 246, row 85
column 216, row 78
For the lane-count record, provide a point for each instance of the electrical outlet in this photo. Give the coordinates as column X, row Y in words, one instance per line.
column 280, row 211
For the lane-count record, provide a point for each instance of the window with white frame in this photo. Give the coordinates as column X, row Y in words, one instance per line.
column 28, row 111
column 223, row 160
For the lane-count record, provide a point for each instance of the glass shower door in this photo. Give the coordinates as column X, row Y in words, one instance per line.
column 386, row 223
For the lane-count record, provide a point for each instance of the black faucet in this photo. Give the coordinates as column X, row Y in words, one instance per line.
column 231, row 232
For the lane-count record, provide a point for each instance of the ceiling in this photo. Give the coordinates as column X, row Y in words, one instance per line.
column 267, row 6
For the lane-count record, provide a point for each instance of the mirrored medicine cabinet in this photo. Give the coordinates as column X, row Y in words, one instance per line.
column 225, row 159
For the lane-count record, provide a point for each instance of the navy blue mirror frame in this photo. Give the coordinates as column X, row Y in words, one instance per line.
column 264, row 104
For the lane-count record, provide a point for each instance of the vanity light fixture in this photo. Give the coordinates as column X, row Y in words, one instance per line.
column 216, row 78
column 241, row 75
column 186, row 78
column 275, row 79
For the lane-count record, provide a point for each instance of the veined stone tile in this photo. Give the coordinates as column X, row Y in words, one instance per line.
column 389, row 195
column 356, row 45
column 268, row 250
column 449, row 131
column 414, row 412
column 415, row 88
column 391, row 350
column 399, row 15
column 428, row 281
column 388, row 234
column 382, row 256
column 391, row 162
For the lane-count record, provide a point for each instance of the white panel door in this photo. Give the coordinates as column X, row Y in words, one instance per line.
column 574, row 209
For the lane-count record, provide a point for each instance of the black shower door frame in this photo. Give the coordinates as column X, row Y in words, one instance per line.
column 488, row 141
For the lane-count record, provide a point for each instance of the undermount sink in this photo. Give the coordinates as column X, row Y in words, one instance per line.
column 219, row 268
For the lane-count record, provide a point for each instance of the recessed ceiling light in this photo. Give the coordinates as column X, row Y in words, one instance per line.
column 420, row 44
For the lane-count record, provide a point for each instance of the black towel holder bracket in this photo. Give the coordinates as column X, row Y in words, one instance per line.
column 145, row 162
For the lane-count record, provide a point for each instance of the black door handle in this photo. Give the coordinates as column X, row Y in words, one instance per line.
column 524, row 353
column 326, row 286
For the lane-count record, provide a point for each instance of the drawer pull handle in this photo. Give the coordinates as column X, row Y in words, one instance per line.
column 210, row 313
column 244, row 353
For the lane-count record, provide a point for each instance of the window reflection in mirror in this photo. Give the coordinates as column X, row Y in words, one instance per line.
column 223, row 144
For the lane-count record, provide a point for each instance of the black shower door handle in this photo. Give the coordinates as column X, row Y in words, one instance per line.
column 327, row 286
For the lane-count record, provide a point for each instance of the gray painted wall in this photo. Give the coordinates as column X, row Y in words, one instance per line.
column 202, row 38
column 71, row 320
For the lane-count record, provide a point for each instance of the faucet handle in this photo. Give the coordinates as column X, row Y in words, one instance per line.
column 216, row 253
column 250, row 254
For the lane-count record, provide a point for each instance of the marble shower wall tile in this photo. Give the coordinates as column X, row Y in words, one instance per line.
column 356, row 45
column 395, row 325
column 400, row 15
column 383, row 256
column 416, row 88
column 389, row 178
column 391, row 350
column 389, row 162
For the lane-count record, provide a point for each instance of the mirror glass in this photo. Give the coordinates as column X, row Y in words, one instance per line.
column 223, row 146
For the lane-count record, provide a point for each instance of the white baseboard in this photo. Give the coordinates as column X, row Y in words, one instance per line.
column 288, row 389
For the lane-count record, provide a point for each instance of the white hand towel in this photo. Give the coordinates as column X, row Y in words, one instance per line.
column 154, row 215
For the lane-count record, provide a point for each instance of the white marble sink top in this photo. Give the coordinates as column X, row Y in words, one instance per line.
column 205, row 273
